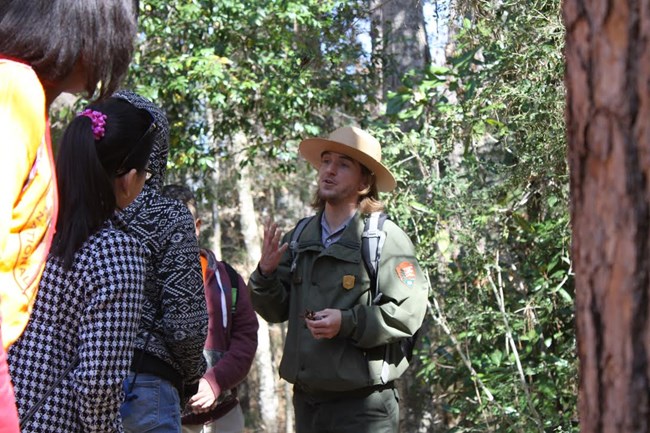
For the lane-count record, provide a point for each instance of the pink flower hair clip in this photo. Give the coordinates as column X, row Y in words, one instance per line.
column 98, row 120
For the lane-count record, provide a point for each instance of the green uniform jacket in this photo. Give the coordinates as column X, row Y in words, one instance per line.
column 361, row 355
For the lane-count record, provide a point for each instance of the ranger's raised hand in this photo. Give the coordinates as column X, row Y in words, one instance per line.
column 272, row 251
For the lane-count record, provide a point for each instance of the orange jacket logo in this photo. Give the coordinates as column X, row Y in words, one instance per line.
column 406, row 273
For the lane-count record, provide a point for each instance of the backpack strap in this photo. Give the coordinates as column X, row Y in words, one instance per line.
column 234, row 284
column 212, row 259
column 295, row 236
column 233, row 276
column 372, row 241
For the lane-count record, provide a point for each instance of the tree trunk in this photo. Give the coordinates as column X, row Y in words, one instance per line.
column 399, row 39
column 608, row 107
column 268, row 395
column 247, row 218
column 215, row 239
column 268, row 398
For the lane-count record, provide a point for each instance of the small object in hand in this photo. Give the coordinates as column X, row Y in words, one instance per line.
column 217, row 411
column 310, row 314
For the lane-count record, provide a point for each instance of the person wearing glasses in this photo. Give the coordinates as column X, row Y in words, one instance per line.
column 168, row 357
column 69, row 365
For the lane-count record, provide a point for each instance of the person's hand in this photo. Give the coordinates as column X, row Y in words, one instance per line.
column 205, row 398
column 327, row 323
column 271, row 249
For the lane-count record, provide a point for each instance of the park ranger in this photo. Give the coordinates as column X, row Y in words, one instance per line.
column 342, row 350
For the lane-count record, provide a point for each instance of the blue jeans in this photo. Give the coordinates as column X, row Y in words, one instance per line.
column 152, row 406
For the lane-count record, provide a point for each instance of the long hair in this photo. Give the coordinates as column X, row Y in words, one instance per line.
column 86, row 168
column 368, row 198
column 52, row 35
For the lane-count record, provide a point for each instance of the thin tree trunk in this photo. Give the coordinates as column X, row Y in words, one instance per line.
column 608, row 107
column 268, row 396
column 215, row 240
column 377, row 41
column 247, row 218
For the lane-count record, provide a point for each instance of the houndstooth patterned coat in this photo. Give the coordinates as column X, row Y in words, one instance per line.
column 93, row 311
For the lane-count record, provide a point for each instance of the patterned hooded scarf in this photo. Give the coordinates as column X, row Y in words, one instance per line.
column 174, row 312
column 160, row 150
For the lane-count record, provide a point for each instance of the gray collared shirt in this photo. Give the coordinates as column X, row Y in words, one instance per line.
column 329, row 236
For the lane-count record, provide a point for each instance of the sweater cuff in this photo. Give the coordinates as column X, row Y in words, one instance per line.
column 347, row 323
column 263, row 276
column 211, row 377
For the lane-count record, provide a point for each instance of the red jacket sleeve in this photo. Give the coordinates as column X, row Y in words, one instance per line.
column 238, row 358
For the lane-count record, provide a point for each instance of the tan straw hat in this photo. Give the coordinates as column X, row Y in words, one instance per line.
column 355, row 143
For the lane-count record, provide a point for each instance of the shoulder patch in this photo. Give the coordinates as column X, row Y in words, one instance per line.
column 406, row 273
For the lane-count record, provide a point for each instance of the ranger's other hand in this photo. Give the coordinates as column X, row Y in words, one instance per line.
column 326, row 324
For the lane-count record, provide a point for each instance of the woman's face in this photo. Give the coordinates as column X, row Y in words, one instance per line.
column 128, row 186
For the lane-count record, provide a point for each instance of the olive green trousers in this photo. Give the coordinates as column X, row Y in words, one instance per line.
column 377, row 412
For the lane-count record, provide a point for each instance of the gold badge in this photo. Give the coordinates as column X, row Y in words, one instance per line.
column 348, row 281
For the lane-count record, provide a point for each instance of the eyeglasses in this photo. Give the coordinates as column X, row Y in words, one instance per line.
column 122, row 171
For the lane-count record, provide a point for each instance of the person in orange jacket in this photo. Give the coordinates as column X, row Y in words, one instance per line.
column 231, row 344
column 46, row 47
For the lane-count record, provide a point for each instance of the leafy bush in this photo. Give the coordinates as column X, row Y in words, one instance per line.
column 484, row 190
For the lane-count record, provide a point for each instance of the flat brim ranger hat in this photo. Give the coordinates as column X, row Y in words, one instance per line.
column 355, row 143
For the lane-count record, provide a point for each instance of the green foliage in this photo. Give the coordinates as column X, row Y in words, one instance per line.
column 272, row 70
column 478, row 149
column 484, row 190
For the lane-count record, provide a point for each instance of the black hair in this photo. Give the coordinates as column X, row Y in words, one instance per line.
column 52, row 35
column 86, row 168
column 182, row 194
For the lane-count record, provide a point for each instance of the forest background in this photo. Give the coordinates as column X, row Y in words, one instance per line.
column 476, row 139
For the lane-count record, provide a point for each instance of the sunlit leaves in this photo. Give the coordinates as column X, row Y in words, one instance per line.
column 495, row 181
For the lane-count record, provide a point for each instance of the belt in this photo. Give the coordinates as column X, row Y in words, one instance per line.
column 144, row 362
column 342, row 395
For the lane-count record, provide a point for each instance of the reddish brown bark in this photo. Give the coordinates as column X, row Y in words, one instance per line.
column 608, row 129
